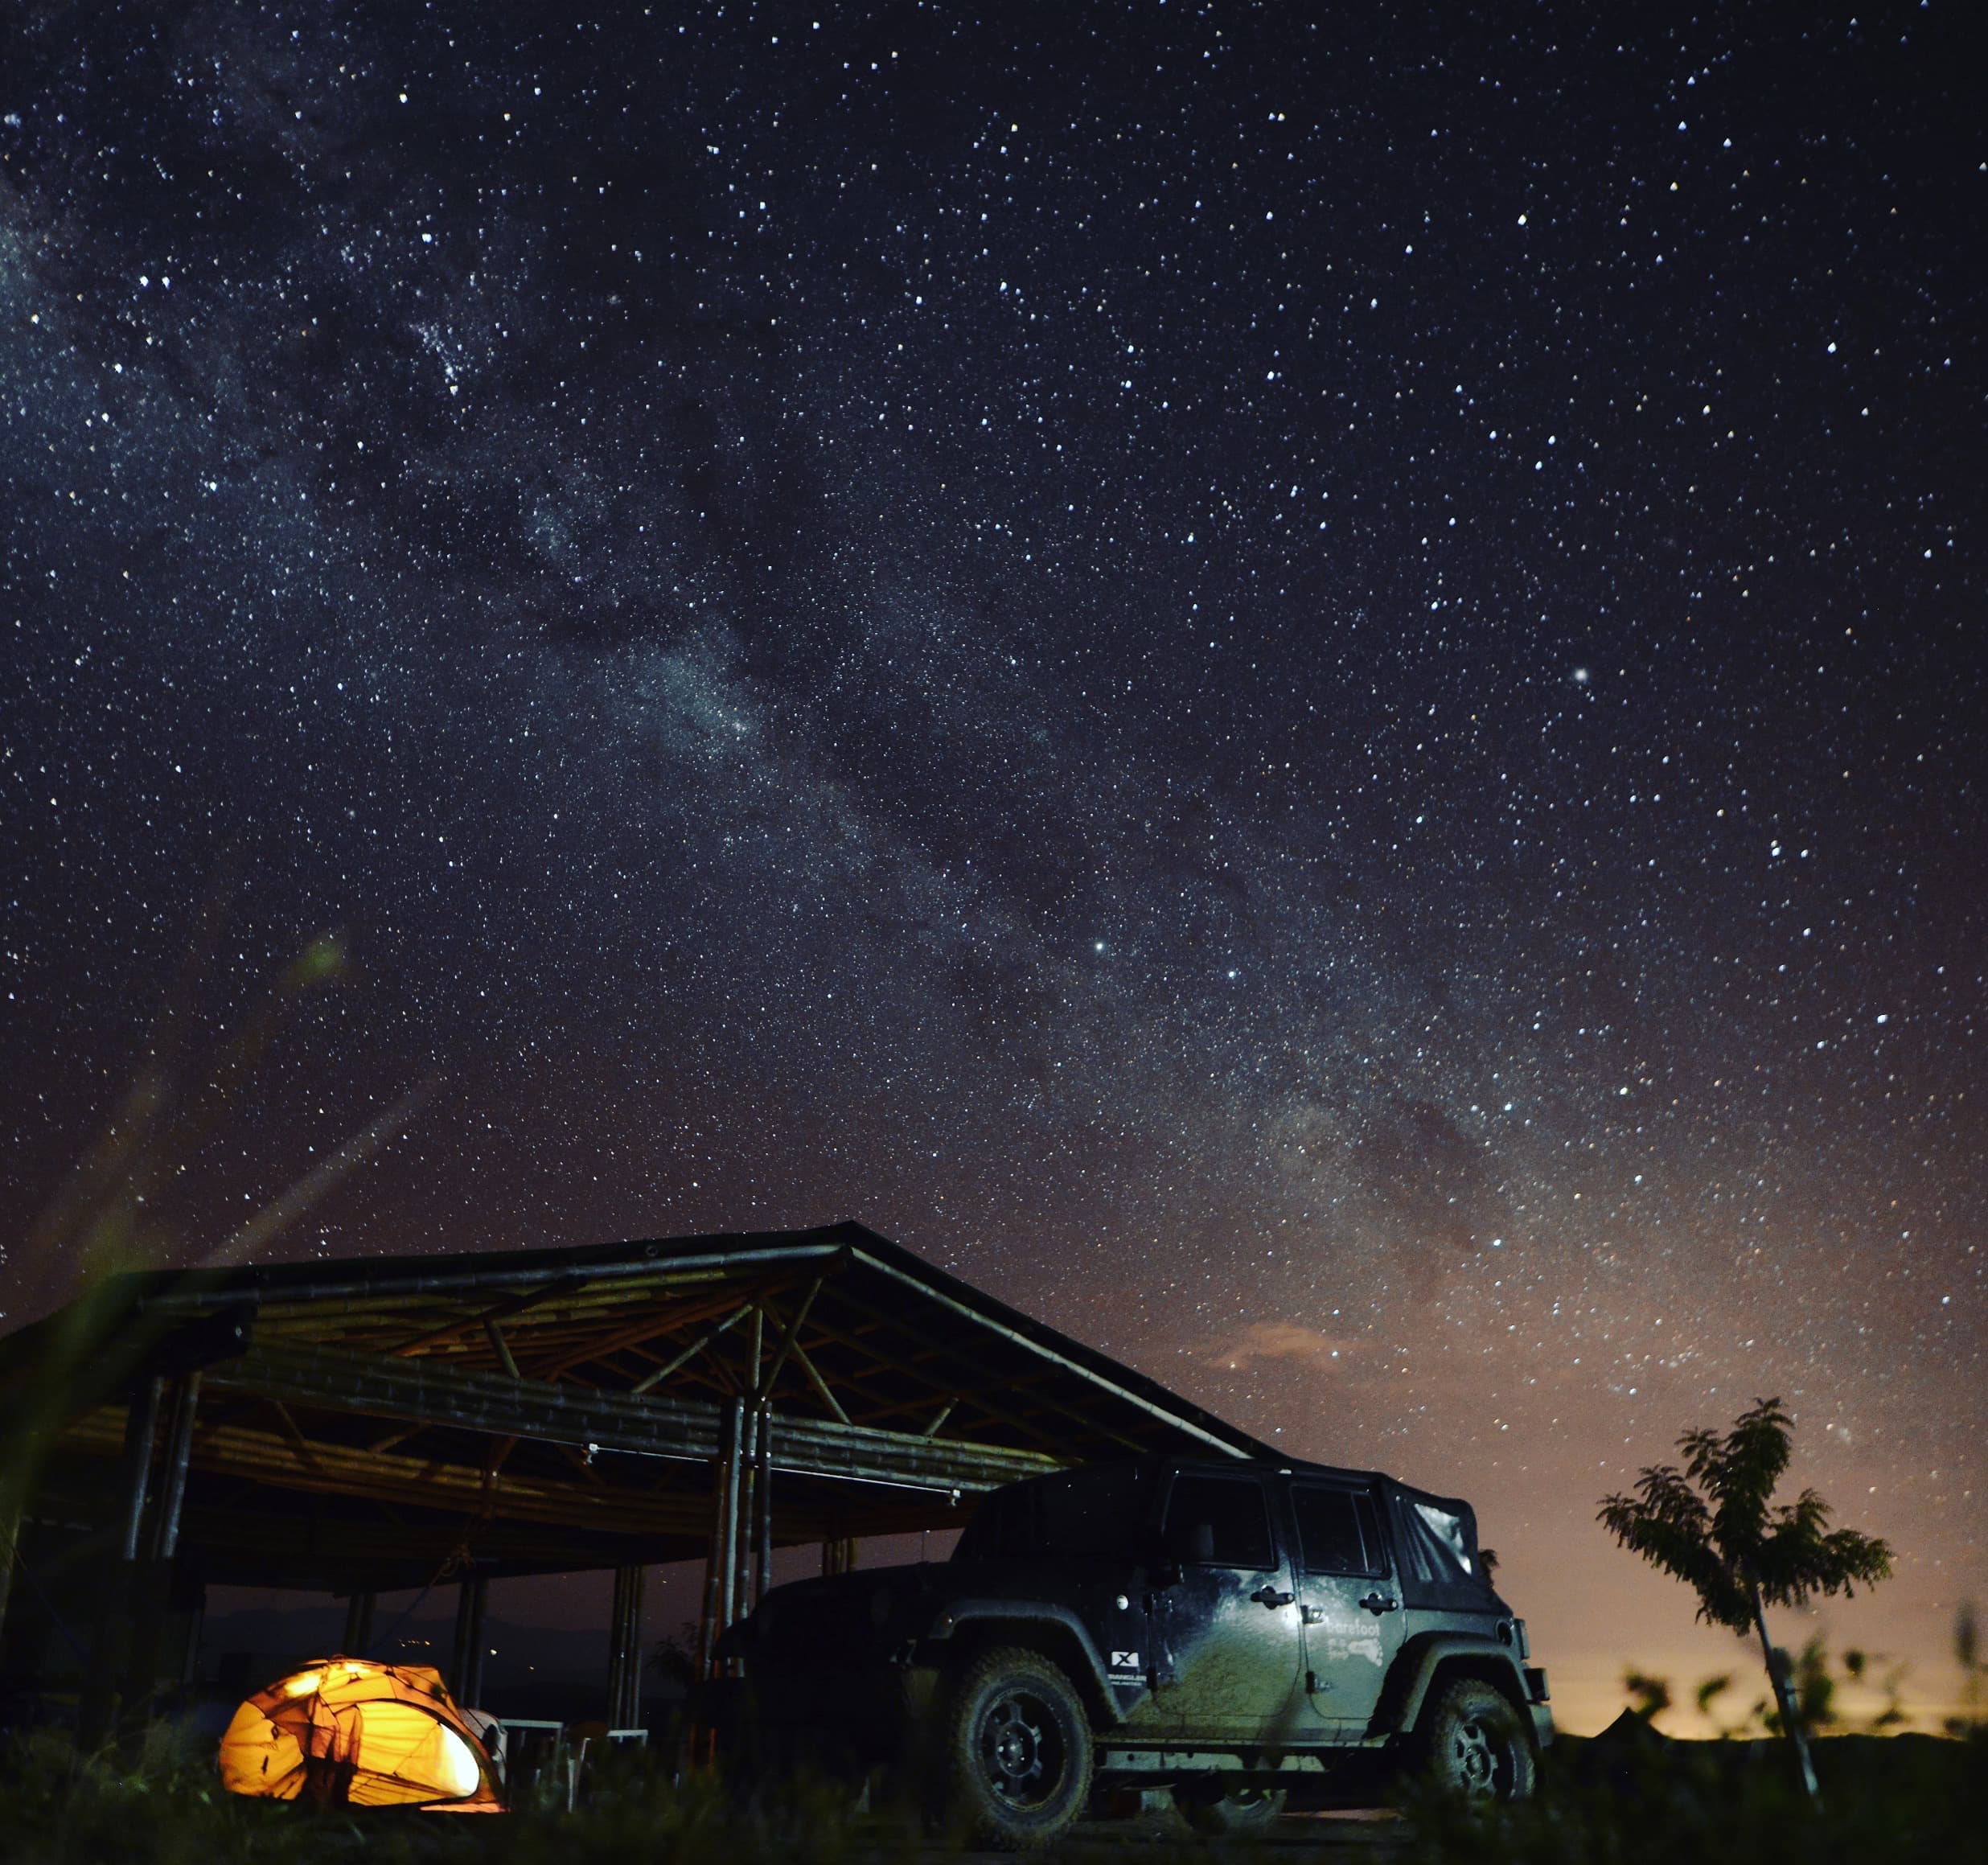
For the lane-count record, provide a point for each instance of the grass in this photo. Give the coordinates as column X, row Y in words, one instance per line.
column 1901, row 1798
column 60, row 1808
column 1895, row 1798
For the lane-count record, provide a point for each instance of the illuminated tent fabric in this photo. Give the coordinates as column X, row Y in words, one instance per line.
column 345, row 1730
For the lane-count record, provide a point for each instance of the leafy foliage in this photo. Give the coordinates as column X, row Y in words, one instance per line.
column 1715, row 1525
column 1649, row 1695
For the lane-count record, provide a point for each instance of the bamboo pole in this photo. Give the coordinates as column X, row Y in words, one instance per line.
column 178, row 1461
column 360, row 1609
column 141, row 1431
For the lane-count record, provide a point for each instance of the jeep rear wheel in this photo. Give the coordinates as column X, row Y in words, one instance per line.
column 1240, row 1813
column 1473, row 1744
column 1017, row 1749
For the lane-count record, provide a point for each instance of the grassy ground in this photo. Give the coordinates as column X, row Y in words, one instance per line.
column 1904, row 1798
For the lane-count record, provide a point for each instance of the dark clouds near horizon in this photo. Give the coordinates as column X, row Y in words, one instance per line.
column 1266, row 680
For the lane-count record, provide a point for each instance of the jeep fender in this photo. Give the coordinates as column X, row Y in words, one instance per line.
column 1021, row 1614
column 1415, row 1670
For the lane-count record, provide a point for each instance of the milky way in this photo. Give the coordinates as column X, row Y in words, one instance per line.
column 1307, row 696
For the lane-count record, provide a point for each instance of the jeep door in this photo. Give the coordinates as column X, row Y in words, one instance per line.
column 1350, row 1605
column 1226, row 1630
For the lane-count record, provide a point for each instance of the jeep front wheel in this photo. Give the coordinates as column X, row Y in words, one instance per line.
column 1017, row 1749
column 1474, row 1745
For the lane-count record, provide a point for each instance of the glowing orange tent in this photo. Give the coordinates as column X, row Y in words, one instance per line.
column 346, row 1730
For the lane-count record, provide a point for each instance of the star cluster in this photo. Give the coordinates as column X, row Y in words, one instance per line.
column 1301, row 690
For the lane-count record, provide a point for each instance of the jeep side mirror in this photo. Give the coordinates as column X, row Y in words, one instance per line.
column 1166, row 1573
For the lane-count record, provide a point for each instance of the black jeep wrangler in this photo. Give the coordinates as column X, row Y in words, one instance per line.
column 1241, row 1634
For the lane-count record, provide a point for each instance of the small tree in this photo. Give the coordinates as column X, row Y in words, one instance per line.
column 1715, row 1526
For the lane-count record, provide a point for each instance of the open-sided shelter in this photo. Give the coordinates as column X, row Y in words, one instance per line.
column 368, row 1424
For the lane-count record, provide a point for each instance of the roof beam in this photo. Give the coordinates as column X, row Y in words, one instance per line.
column 679, row 1361
column 502, row 1311
column 1042, row 1351
column 1013, row 1420
column 820, row 1384
column 421, row 1392
column 388, row 1290
column 683, row 1315
column 323, row 1468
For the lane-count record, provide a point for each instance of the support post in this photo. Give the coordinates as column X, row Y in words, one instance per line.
column 359, row 1607
column 708, row 1610
column 624, row 1666
column 118, row 1594
column 10, row 1546
column 744, row 1599
column 638, row 1583
column 172, row 1496
column 734, row 1500
column 141, row 1429
column 190, row 1656
column 762, row 1498
column 617, row 1645
column 465, row 1667
column 149, row 1577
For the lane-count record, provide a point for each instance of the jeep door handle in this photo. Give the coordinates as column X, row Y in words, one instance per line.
column 1377, row 1603
column 1271, row 1597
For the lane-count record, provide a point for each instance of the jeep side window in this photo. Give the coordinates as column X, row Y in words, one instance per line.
column 1437, row 1545
column 1219, row 1522
column 1338, row 1531
column 1081, row 1513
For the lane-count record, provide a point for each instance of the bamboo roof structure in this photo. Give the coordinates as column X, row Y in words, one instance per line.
column 375, row 1423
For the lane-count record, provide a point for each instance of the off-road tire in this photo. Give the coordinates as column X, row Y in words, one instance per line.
column 1240, row 1813
column 1473, row 1744
column 1017, row 1749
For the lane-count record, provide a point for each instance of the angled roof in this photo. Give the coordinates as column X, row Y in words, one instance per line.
column 537, row 1410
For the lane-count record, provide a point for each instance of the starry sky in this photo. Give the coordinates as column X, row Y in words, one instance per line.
column 1300, row 686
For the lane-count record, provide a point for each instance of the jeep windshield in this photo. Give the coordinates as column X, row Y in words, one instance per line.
column 1081, row 1512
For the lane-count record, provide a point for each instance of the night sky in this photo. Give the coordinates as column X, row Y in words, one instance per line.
column 1307, row 696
